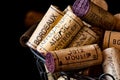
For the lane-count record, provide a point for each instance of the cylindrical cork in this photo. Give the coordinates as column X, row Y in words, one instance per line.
column 25, row 37
column 95, row 15
column 101, row 3
column 111, row 39
column 60, row 36
column 100, row 32
column 111, row 62
column 52, row 76
column 73, row 58
column 50, row 19
column 117, row 17
column 49, row 74
column 68, row 8
column 84, row 37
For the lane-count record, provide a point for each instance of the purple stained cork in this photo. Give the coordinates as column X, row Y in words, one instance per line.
column 50, row 62
column 80, row 7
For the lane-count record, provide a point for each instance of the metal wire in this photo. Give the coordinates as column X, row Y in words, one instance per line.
column 102, row 77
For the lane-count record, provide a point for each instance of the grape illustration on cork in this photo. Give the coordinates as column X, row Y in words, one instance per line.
column 95, row 15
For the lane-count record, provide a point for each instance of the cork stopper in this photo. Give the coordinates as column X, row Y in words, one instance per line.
column 101, row 3
column 94, row 15
column 49, row 20
column 80, row 7
column 99, row 31
column 117, row 17
column 73, row 58
column 50, row 64
column 61, row 34
column 111, row 39
column 111, row 63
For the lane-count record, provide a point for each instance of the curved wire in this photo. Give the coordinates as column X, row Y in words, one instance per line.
column 101, row 77
column 39, row 56
column 40, row 60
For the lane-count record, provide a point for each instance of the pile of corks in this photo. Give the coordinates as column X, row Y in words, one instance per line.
column 106, row 45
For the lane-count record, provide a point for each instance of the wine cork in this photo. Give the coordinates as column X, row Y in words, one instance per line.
column 117, row 15
column 52, row 76
column 73, row 58
column 32, row 17
column 60, row 36
column 101, row 3
column 84, row 37
column 100, row 32
column 49, row 75
column 68, row 8
column 25, row 37
column 95, row 15
column 111, row 63
column 111, row 39
column 50, row 19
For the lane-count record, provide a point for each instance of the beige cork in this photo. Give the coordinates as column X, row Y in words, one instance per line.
column 50, row 19
column 84, row 37
column 111, row 63
column 74, row 58
column 68, row 8
column 97, row 16
column 52, row 76
column 101, row 3
column 111, row 39
column 49, row 74
column 100, row 32
column 61, row 34
column 117, row 17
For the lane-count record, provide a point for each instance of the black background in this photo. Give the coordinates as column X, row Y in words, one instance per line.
column 20, row 63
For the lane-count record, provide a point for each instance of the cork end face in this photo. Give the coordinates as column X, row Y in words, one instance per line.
column 80, row 7
column 50, row 62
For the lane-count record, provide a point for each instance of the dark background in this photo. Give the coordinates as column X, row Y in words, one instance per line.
column 20, row 63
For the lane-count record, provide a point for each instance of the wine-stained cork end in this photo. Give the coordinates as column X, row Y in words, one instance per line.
column 50, row 62
column 80, row 7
